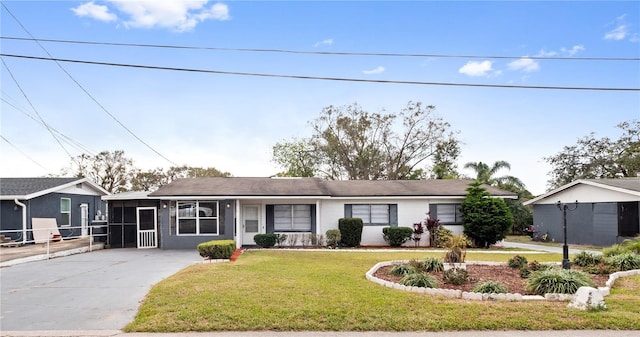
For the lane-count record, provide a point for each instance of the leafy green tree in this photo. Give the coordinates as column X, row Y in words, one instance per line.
column 351, row 143
column 110, row 170
column 486, row 220
column 597, row 158
column 153, row 179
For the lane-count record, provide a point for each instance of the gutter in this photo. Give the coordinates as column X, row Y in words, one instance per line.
column 24, row 220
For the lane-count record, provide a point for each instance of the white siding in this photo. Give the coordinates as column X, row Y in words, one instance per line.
column 588, row 194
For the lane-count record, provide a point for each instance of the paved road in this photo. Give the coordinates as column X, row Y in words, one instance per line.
column 90, row 291
column 543, row 248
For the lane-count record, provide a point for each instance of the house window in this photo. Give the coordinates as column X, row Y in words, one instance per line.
column 292, row 218
column 197, row 218
column 449, row 214
column 65, row 212
column 372, row 214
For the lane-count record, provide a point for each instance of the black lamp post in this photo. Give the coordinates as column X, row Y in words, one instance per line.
column 566, row 263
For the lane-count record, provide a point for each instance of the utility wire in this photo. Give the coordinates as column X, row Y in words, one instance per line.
column 343, row 79
column 87, row 92
column 34, row 109
column 24, row 154
column 77, row 145
column 286, row 51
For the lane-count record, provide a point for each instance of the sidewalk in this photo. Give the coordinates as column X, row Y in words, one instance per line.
column 549, row 249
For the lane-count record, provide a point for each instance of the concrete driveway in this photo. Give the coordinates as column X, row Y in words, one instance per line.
column 100, row 290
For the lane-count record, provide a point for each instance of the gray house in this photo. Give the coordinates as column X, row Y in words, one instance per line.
column 606, row 212
column 189, row 211
column 72, row 202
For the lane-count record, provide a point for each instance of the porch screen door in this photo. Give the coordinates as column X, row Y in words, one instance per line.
column 147, row 227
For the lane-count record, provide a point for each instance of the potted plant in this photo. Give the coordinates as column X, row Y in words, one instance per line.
column 456, row 252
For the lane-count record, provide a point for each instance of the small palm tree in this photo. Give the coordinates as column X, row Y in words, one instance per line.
column 485, row 174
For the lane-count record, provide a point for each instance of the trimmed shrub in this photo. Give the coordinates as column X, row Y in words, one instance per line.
column 419, row 280
column 433, row 264
column 396, row 236
column 584, row 259
column 625, row 261
column 265, row 240
column 490, row 287
column 456, row 276
column 442, row 236
column 402, row 270
column 350, row 231
column 556, row 280
column 217, row 249
column 333, row 238
column 518, row 261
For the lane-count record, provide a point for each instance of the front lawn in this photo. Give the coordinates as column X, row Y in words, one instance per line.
column 303, row 290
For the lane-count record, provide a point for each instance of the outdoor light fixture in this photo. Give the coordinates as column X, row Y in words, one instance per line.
column 228, row 205
column 566, row 263
column 164, row 205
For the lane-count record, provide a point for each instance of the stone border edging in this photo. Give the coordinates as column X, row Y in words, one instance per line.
column 465, row 295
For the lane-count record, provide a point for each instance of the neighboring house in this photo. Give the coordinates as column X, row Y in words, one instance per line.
column 73, row 202
column 189, row 211
column 607, row 211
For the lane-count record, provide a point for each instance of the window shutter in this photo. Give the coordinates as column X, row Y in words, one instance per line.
column 347, row 210
column 393, row 215
column 270, row 218
column 433, row 211
column 313, row 219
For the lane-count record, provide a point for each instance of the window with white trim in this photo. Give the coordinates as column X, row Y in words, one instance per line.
column 371, row 214
column 65, row 212
column 197, row 218
column 292, row 217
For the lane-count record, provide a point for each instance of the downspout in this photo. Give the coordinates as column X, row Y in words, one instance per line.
column 24, row 220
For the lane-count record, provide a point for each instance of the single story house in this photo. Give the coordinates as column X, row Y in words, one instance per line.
column 599, row 212
column 72, row 202
column 189, row 211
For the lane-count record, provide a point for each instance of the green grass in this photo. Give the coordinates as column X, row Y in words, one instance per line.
column 327, row 291
column 527, row 239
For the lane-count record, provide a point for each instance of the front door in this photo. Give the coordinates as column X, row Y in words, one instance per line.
column 146, row 220
column 84, row 219
column 250, row 223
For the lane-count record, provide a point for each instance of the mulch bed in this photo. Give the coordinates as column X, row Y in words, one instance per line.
column 479, row 273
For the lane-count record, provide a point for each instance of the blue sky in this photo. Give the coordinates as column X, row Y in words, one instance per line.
column 231, row 122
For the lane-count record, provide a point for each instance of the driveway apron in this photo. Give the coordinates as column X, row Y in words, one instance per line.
column 92, row 291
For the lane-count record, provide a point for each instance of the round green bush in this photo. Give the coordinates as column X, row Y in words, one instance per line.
column 419, row 280
column 265, row 240
column 396, row 236
column 518, row 261
column 490, row 287
column 556, row 280
column 402, row 270
column 455, row 276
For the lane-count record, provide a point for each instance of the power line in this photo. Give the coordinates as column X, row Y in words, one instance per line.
column 34, row 109
column 287, row 51
column 343, row 79
column 87, row 92
column 24, row 154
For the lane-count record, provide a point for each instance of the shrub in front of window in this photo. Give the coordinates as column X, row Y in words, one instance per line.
column 350, row 231
column 265, row 240
column 217, row 249
column 486, row 220
column 333, row 238
column 396, row 236
column 441, row 236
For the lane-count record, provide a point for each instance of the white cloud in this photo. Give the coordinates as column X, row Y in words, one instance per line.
column 326, row 42
column 574, row 50
column 178, row 15
column 473, row 68
column 98, row 12
column 544, row 53
column 620, row 31
column 377, row 70
column 525, row 64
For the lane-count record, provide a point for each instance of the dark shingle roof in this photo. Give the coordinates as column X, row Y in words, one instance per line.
column 632, row 184
column 238, row 186
column 26, row 186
